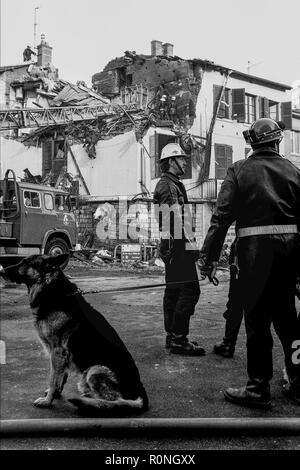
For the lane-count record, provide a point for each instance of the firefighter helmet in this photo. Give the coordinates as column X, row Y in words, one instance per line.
column 264, row 130
column 172, row 151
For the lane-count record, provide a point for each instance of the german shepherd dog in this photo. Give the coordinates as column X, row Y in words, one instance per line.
column 77, row 337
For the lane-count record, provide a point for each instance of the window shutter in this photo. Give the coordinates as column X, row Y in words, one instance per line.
column 228, row 156
column 220, row 161
column 47, row 152
column 238, row 104
column 263, row 107
column 152, row 142
column 286, row 114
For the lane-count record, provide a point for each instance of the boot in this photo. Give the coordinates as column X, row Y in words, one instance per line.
column 181, row 345
column 225, row 348
column 292, row 392
column 169, row 338
column 247, row 397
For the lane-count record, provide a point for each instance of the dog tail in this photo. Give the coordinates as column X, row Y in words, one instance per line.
column 104, row 407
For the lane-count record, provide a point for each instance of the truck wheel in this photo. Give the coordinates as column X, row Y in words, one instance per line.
column 57, row 246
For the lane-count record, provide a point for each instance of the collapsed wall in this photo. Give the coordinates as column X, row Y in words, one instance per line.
column 165, row 85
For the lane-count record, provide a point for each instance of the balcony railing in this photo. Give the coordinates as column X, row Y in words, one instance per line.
column 210, row 188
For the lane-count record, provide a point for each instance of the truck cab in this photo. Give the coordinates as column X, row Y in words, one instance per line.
column 34, row 219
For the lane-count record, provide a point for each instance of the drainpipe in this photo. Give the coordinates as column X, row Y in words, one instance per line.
column 212, row 426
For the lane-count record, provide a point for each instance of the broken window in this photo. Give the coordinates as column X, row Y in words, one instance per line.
column 54, row 159
column 223, row 159
column 224, row 106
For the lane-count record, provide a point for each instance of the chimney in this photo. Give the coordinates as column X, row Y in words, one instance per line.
column 168, row 48
column 156, row 48
column 44, row 56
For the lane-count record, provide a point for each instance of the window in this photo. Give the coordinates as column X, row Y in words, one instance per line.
column 263, row 107
column 224, row 108
column 62, row 203
column 32, row 199
column 48, row 200
column 157, row 143
column 296, row 142
column 223, row 159
column 54, row 159
column 250, row 105
column 239, row 104
column 273, row 110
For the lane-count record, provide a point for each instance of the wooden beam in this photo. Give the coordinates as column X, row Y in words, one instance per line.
column 78, row 169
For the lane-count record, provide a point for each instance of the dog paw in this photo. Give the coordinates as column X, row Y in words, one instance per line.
column 57, row 393
column 42, row 402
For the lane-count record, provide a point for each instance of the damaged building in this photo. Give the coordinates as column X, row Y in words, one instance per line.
column 149, row 101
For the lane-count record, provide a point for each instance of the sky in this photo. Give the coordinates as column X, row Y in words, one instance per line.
column 86, row 34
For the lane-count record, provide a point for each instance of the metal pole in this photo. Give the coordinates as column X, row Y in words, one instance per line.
column 34, row 27
column 26, row 427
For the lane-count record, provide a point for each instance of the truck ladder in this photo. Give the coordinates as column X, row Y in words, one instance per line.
column 36, row 117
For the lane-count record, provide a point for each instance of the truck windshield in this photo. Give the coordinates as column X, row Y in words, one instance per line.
column 62, row 203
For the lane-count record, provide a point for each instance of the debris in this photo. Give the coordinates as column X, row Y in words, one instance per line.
column 104, row 254
column 159, row 262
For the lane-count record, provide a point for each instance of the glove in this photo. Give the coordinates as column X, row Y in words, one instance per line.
column 208, row 270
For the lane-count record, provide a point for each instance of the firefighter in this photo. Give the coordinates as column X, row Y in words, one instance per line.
column 234, row 310
column 27, row 53
column 262, row 195
column 183, row 291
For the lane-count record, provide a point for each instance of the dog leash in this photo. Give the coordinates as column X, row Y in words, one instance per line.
column 215, row 282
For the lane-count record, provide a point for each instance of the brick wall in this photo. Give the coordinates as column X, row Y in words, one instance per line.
column 135, row 224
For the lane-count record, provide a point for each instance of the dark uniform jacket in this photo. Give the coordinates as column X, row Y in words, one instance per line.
column 262, row 190
column 171, row 191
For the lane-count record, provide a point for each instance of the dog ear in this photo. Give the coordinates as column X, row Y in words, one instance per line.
column 56, row 261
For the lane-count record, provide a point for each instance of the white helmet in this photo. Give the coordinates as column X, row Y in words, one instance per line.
column 172, row 151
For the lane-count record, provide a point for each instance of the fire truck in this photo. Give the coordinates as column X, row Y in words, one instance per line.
column 34, row 219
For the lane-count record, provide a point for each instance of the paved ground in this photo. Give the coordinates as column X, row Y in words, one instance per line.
column 177, row 386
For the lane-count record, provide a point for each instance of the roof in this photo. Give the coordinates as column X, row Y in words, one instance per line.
column 120, row 62
column 243, row 76
column 5, row 68
column 78, row 95
column 40, row 187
